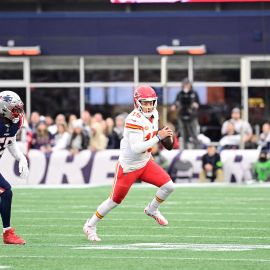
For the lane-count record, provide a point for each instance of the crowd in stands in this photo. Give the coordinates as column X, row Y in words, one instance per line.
column 72, row 133
column 96, row 133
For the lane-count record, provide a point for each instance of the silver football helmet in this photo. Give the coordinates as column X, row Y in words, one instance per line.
column 11, row 106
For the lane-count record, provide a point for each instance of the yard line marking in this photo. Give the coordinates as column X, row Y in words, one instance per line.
column 155, row 236
column 109, row 219
column 94, row 257
column 176, row 246
column 144, row 218
column 158, row 228
column 179, row 212
column 4, row 266
column 198, row 220
column 178, row 205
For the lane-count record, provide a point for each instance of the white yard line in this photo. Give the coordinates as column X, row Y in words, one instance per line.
column 167, row 213
column 128, row 236
column 166, row 206
column 175, row 246
column 144, row 219
column 162, row 258
column 170, row 228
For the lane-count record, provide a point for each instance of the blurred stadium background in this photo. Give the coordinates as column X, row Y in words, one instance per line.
column 65, row 57
column 93, row 53
column 68, row 57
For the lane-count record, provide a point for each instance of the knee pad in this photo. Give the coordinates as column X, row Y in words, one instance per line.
column 168, row 187
column 111, row 203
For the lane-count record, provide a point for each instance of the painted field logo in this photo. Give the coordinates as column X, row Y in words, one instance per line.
column 177, row 246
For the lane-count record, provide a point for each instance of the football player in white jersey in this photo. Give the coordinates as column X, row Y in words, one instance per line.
column 135, row 161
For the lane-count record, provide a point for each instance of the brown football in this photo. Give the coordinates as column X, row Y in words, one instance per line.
column 168, row 143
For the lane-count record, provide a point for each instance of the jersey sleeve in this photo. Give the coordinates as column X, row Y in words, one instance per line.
column 135, row 126
column 138, row 145
column 14, row 150
column 133, row 123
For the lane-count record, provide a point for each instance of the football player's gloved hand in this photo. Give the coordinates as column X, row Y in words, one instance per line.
column 23, row 168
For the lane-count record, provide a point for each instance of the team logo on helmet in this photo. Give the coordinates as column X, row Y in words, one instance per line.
column 7, row 98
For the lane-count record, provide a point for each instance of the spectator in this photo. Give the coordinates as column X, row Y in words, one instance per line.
column 98, row 118
column 42, row 139
column 71, row 118
column 264, row 139
column 34, row 121
column 116, row 135
column 79, row 140
column 86, row 122
column 62, row 137
column 241, row 127
column 262, row 167
column 187, row 103
column 231, row 138
column 109, row 130
column 98, row 140
column 60, row 119
column 49, row 120
column 211, row 165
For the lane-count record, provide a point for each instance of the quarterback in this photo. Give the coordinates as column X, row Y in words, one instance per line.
column 11, row 120
column 135, row 162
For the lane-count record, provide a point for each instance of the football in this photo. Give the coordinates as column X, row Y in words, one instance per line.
column 168, row 143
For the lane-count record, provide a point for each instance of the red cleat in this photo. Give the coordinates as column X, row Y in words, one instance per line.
column 10, row 238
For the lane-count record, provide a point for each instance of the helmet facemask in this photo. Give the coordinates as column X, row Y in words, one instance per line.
column 147, row 109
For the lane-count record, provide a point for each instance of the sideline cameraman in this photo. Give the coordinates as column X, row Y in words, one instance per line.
column 187, row 103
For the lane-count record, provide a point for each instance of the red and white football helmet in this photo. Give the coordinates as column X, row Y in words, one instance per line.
column 145, row 93
column 11, row 106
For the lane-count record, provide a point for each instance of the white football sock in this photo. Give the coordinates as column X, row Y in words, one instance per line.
column 102, row 211
column 161, row 195
column 6, row 229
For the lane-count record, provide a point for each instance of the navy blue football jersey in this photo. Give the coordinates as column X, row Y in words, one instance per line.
column 7, row 132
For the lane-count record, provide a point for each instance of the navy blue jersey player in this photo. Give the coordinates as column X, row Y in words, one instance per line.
column 11, row 120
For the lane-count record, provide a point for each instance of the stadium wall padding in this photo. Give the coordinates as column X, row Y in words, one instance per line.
column 97, row 168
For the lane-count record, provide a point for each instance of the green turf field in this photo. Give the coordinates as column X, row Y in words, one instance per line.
column 209, row 228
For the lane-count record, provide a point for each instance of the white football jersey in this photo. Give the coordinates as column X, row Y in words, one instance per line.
column 143, row 129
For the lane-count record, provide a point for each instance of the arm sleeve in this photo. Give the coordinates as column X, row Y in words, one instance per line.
column 138, row 145
column 14, row 150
